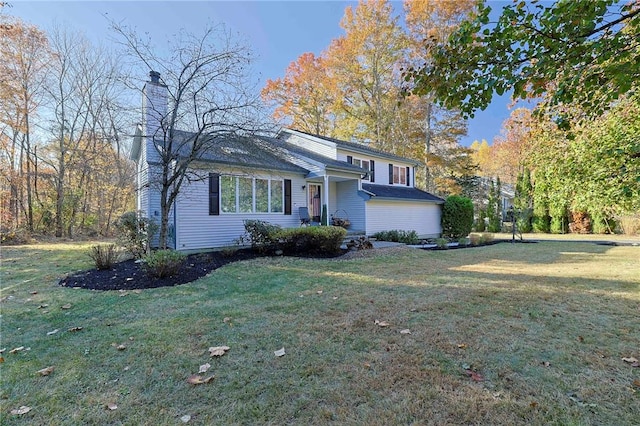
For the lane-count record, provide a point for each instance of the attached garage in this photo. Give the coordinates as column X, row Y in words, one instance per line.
column 407, row 209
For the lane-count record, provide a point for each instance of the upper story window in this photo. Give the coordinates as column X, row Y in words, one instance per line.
column 400, row 175
column 365, row 164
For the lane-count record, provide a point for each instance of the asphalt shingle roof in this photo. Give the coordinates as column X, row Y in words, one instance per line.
column 400, row 193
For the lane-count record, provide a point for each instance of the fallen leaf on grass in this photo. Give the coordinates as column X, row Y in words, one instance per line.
column 279, row 352
column 112, row 406
column 636, row 383
column 119, row 347
column 632, row 361
column 226, row 319
column 580, row 339
column 475, row 376
column 52, row 332
column 185, row 418
column 20, row 411
column 67, row 306
column 319, row 291
column 218, row 350
column 73, row 329
column 199, row 380
column 1, row 360
column 405, row 331
column 44, row 305
column 46, row 371
column 34, row 292
column 16, row 350
column 462, row 346
column 533, row 404
column 204, row 368
column 381, row 323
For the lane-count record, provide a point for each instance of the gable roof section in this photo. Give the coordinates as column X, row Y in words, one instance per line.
column 245, row 151
column 350, row 146
column 399, row 193
column 329, row 163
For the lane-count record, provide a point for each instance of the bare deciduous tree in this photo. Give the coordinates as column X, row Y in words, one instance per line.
column 210, row 95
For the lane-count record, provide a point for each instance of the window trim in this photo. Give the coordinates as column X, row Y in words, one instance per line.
column 237, row 211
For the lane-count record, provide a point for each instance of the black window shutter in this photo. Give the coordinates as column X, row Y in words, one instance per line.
column 390, row 174
column 287, row 196
column 408, row 176
column 214, row 194
column 372, row 168
column 349, row 159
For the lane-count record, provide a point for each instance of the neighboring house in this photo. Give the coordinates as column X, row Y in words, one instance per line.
column 270, row 179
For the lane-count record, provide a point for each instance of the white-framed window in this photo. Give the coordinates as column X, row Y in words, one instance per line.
column 365, row 164
column 241, row 194
column 400, row 175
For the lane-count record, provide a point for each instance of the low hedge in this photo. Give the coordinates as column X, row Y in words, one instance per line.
column 310, row 239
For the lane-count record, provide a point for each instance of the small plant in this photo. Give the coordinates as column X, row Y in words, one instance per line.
column 135, row 233
column 441, row 243
column 104, row 255
column 463, row 242
column 477, row 239
column 163, row 263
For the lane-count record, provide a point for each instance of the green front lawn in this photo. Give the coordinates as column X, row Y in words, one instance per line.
column 504, row 334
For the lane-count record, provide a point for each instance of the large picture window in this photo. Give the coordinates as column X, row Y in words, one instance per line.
column 251, row 195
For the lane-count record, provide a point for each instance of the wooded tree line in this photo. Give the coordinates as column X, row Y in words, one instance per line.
column 63, row 133
column 356, row 90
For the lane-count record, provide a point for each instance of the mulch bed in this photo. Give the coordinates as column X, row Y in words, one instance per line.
column 130, row 275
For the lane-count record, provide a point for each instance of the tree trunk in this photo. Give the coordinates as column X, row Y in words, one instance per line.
column 427, row 146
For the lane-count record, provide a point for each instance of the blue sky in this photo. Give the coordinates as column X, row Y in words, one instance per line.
column 277, row 31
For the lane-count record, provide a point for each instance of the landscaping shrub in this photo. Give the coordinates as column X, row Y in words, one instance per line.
column 104, row 255
column 163, row 263
column 457, row 217
column 580, row 223
column 442, row 243
column 630, row 224
column 311, row 239
column 523, row 220
column 541, row 224
column 480, row 238
column 559, row 225
column 135, row 233
column 398, row 236
column 261, row 235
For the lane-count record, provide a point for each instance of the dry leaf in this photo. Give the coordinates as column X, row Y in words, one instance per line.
column 546, row 364
column 475, row 376
column 72, row 329
column 462, row 345
column 16, row 350
column 1, row 360
column 46, row 371
column 52, row 332
column 20, row 411
column 226, row 319
column 67, row 306
column 405, row 331
column 533, row 404
column 319, row 291
column 34, row 292
column 44, row 305
column 381, row 323
column 112, row 406
column 218, row 350
column 119, row 347
column 580, row 339
column 335, row 297
column 630, row 360
column 199, row 380
column 204, row 368
column 636, row 383
column 185, row 418
column 279, row 352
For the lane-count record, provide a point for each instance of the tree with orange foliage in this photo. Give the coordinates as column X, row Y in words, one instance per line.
column 305, row 96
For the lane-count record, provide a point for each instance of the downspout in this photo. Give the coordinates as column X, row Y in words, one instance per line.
column 326, row 194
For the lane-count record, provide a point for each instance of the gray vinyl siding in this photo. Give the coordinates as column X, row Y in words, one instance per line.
column 424, row 218
column 311, row 145
column 350, row 203
column 197, row 230
column 381, row 171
